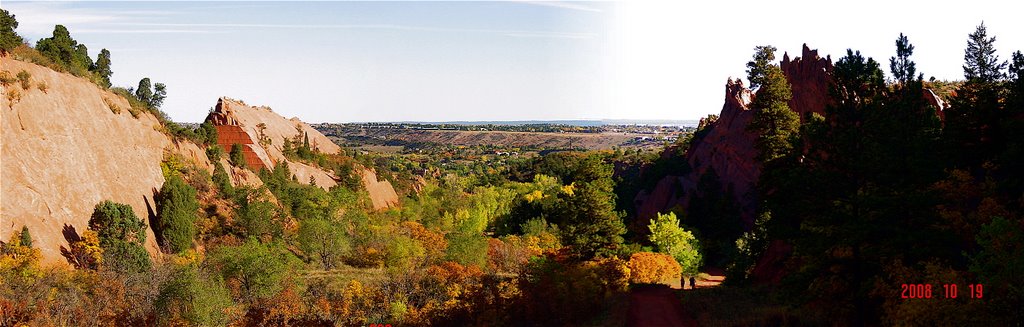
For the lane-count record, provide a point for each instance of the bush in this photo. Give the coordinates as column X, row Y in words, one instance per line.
column 6, row 79
column 121, row 235
column 25, row 78
column 258, row 269
column 214, row 152
column 177, row 208
column 237, row 158
column 194, row 296
column 112, row 106
column 42, row 86
column 13, row 96
column 652, row 268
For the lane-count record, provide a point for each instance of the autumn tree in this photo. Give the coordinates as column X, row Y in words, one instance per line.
column 194, row 295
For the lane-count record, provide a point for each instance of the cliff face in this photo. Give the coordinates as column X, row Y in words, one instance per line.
column 64, row 151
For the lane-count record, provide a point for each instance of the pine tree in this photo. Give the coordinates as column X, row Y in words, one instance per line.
column 902, row 68
column 145, row 91
column 981, row 63
column 177, row 207
column 26, row 238
column 773, row 121
column 102, row 67
column 8, row 38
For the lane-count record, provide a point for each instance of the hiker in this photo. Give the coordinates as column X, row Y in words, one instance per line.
column 693, row 283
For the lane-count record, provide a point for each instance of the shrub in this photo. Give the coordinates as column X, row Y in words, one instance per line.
column 214, row 152
column 42, row 86
column 222, row 181
column 121, row 235
column 25, row 78
column 6, row 79
column 198, row 298
column 237, row 158
column 13, row 96
column 652, row 268
column 258, row 269
column 112, row 106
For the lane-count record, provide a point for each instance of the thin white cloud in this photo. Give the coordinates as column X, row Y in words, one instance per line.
column 143, row 31
column 511, row 33
column 563, row 5
column 38, row 18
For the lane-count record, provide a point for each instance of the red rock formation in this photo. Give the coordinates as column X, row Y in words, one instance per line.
column 809, row 76
column 728, row 147
column 937, row 102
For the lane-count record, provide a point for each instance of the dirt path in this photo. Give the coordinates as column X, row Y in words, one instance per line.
column 656, row 306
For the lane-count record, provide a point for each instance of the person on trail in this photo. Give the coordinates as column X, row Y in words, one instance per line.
column 693, row 283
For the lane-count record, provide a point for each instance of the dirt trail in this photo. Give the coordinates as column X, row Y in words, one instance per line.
column 656, row 306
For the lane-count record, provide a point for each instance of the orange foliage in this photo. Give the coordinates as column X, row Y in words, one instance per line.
column 433, row 242
column 650, row 268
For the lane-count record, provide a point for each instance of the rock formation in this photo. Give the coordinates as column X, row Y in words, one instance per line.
column 262, row 134
column 66, row 150
column 728, row 147
column 809, row 76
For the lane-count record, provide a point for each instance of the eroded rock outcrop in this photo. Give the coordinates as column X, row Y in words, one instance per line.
column 727, row 146
column 263, row 133
column 809, row 77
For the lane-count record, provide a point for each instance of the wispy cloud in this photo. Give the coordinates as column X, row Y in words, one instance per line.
column 143, row 31
column 562, row 4
column 38, row 18
column 510, row 33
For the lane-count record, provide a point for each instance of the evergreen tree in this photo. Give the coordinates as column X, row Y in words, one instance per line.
column 159, row 94
column 981, row 64
column 102, row 67
column 773, row 121
column 145, row 91
column 65, row 51
column 902, row 68
column 236, row 156
column 9, row 39
column 26, row 238
column 177, row 207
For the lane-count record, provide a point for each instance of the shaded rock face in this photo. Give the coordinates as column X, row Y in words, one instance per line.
column 727, row 146
column 809, row 76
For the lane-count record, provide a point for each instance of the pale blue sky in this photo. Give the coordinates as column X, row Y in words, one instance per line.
column 508, row 60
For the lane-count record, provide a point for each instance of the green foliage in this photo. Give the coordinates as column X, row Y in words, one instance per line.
column 214, row 152
column 222, row 181
column 9, row 39
column 236, row 157
column 65, row 51
column 121, row 236
column 159, row 94
column 26, row 237
column 323, row 241
column 258, row 268
column 25, row 79
column 673, row 240
column 773, row 121
column 257, row 216
column 177, row 207
column 102, row 68
column 208, row 135
column 194, row 295
column 981, row 64
column 144, row 92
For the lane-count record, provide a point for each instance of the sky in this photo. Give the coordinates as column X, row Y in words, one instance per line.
column 344, row 61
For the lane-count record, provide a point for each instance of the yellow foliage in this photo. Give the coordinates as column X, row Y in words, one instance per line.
column 649, row 268
column 534, row 196
column 569, row 189
column 86, row 252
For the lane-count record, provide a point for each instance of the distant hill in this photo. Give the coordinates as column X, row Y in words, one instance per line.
column 580, row 122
